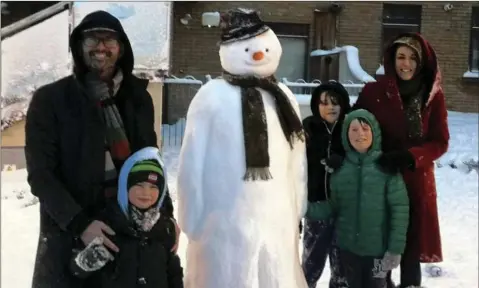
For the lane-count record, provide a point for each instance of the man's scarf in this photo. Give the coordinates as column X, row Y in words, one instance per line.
column 117, row 144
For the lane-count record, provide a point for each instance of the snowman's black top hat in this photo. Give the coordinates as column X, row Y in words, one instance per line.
column 240, row 24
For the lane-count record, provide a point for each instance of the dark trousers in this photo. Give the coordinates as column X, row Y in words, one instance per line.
column 410, row 273
column 318, row 244
column 362, row 271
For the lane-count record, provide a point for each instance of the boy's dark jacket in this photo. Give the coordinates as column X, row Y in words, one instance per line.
column 322, row 141
column 144, row 259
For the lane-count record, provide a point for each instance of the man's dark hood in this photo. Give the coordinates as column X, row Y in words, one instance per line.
column 100, row 19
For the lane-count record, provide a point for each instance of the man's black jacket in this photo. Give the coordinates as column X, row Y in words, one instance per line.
column 65, row 151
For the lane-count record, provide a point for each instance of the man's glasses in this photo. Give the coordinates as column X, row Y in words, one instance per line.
column 93, row 41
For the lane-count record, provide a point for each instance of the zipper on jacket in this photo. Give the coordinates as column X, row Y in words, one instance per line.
column 358, row 202
column 328, row 153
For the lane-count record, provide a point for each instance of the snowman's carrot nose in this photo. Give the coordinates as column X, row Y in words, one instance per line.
column 258, row 56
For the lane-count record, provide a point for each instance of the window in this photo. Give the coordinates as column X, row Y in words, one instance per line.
column 294, row 41
column 399, row 18
column 474, row 46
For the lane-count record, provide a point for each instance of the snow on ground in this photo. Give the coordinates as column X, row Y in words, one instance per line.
column 457, row 201
column 463, row 146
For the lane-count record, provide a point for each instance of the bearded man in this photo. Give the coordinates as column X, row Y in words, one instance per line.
column 79, row 131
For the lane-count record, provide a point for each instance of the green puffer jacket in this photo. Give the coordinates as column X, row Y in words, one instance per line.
column 371, row 208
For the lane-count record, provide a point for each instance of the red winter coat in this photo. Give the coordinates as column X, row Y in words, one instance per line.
column 383, row 100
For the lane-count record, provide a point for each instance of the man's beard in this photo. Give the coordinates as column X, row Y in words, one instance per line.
column 99, row 63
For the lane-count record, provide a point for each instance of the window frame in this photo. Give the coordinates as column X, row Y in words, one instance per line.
column 294, row 30
column 407, row 9
column 474, row 34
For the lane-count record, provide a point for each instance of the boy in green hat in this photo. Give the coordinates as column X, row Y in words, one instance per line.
column 144, row 236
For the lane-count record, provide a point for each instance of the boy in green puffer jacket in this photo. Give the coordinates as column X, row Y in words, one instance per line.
column 370, row 207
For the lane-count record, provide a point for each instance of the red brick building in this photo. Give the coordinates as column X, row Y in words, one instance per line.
column 305, row 26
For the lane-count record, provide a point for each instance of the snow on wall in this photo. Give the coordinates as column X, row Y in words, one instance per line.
column 30, row 59
column 148, row 25
column 349, row 67
column 351, row 60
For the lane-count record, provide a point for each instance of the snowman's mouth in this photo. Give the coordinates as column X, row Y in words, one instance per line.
column 257, row 63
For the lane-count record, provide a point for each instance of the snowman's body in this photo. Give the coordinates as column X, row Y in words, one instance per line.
column 242, row 234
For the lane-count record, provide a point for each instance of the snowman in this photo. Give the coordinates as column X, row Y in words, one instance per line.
column 241, row 176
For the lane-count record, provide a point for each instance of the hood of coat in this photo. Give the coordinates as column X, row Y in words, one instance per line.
column 375, row 128
column 429, row 69
column 148, row 153
column 100, row 19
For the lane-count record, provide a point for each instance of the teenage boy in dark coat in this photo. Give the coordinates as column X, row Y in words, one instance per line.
column 329, row 104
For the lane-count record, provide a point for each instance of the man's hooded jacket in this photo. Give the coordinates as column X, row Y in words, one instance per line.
column 65, row 150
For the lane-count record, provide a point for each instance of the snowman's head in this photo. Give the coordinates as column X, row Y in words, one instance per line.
column 257, row 56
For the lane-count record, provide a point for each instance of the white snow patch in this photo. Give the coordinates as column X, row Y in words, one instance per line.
column 320, row 52
column 471, row 74
column 305, row 100
column 349, row 65
column 380, row 70
column 463, row 145
column 30, row 59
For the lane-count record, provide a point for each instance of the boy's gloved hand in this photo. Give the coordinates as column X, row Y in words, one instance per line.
column 393, row 162
column 386, row 264
column 390, row 261
column 332, row 163
column 94, row 256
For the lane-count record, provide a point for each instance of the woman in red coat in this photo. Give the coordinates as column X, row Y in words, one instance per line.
column 409, row 104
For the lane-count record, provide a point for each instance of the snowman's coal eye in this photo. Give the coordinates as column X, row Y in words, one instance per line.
column 246, row 49
column 267, row 50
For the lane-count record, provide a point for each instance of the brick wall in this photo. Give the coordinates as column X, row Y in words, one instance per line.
column 360, row 26
column 195, row 52
column 448, row 33
column 194, row 47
